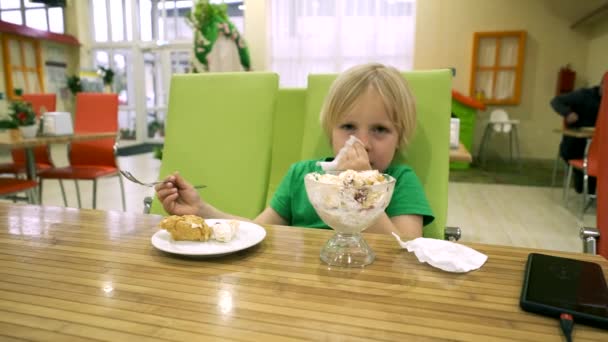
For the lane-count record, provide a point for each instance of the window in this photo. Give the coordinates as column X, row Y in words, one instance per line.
column 147, row 40
column 496, row 73
column 321, row 36
column 32, row 14
column 165, row 20
column 22, row 66
column 111, row 20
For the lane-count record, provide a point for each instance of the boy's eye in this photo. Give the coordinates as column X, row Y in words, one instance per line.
column 347, row 127
column 380, row 130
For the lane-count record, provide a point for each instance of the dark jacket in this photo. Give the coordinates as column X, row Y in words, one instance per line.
column 585, row 102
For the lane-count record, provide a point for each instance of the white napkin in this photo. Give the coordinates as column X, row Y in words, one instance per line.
column 445, row 255
column 333, row 165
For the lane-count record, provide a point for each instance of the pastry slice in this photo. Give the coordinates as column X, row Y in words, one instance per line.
column 186, row 228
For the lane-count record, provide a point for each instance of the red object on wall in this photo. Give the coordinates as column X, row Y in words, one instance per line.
column 466, row 100
column 565, row 80
column 601, row 133
column 23, row 30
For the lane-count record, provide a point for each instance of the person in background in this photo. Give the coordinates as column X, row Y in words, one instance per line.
column 371, row 102
column 579, row 109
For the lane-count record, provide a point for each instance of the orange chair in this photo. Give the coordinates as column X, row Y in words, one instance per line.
column 588, row 165
column 90, row 160
column 42, row 154
column 602, row 171
column 9, row 187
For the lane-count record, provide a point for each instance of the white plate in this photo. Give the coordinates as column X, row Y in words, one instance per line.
column 249, row 234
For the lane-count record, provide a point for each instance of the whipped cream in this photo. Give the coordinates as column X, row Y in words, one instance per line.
column 225, row 231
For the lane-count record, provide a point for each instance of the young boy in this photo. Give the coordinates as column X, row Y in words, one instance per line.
column 371, row 102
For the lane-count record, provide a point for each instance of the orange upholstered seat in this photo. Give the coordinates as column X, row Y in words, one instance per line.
column 90, row 160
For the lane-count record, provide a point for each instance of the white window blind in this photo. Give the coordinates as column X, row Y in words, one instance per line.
column 326, row 36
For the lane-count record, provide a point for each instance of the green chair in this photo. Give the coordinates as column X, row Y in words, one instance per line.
column 287, row 134
column 427, row 154
column 219, row 133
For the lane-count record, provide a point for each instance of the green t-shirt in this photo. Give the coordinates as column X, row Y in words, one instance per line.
column 291, row 202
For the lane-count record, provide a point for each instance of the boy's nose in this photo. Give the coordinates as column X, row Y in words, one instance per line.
column 364, row 137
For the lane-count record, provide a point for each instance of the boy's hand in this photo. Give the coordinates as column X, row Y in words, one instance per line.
column 355, row 158
column 178, row 196
column 571, row 118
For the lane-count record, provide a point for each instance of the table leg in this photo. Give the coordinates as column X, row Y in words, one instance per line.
column 30, row 167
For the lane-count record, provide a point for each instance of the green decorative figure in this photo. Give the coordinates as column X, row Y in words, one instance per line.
column 210, row 22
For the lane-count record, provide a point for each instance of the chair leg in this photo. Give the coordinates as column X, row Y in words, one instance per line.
column 39, row 190
column 78, row 194
column 567, row 185
column 36, row 196
column 482, row 145
column 511, row 143
column 94, row 193
column 585, row 192
column 65, row 200
column 555, row 166
column 587, row 206
column 28, row 195
column 122, row 193
column 515, row 131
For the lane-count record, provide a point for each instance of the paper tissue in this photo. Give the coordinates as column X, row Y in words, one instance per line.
column 333, row 165
column 446, row 255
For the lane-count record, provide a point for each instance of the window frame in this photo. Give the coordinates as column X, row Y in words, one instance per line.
column 9, row 67
column 46, row 8
column 495, row 68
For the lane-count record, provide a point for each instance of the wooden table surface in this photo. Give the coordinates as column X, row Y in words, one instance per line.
column 69, row 274
column 582, row 132
column 460, row 154
column 13, row 139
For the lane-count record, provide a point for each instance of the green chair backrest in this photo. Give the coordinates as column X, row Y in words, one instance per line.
column 219, row 133
column 287, row 134
column 427, row 154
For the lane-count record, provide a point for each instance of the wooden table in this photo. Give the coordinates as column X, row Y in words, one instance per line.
column 460, row 154
column 11, row 139
column 583, row 132
column 69, row 274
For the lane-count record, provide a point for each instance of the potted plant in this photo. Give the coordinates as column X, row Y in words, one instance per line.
column 156, row 128
column 74, row 84
column 23, row 115
column 107, row 75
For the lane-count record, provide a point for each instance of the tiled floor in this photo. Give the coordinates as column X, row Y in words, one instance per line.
column 488, row 213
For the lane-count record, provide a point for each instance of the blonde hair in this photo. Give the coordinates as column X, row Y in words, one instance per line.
column 387, row 81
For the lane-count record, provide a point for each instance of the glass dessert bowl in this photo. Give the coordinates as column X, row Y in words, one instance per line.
column 349, row 202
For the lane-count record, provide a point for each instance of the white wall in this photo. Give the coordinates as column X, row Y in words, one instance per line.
column 597, row 63
column 257, row 33
column 444, row 38
column 550, row 44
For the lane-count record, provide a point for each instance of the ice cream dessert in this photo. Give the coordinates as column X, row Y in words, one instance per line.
column 349, row 201
column 186, row 227
column 225, row 231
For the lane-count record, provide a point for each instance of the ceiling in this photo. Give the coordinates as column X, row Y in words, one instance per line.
column 573, row 10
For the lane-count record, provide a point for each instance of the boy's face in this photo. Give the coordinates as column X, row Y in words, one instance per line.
column 370, row 123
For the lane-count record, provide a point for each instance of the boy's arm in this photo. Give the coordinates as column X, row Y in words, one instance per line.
column 270, row 216
column 407, row 226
